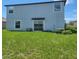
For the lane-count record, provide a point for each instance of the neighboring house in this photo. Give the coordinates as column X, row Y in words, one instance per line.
column 73, row 23
column 36, row 16
column 3, row 23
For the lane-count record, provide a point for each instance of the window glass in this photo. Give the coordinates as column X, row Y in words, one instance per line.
column 57, row 7
column 10, row 11
column 35, row 22
column 17, row 24
column 40, row 22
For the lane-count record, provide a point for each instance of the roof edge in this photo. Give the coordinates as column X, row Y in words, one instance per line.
column 34, row 3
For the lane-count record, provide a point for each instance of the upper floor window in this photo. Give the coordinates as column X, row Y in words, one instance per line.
column 57, row 7
column 11, row 9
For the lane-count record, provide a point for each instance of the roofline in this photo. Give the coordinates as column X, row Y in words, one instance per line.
column 34, row 3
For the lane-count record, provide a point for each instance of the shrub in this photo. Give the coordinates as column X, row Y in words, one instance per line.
column 59, row 30
column 72, row 29
column 67, row 32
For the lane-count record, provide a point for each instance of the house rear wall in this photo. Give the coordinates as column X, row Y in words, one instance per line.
column 53, row 19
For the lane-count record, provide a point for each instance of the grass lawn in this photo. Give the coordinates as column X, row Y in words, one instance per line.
column 38, row 45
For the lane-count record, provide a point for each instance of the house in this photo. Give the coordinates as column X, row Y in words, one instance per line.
column 73, row 23
column 40, row 16
column 3, row 23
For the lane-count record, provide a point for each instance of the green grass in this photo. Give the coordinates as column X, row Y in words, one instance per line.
column 38, row 45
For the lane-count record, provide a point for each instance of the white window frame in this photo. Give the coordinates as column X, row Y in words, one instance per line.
column 38, row 20
column 57, row 4
column 15, row 25
column 11, row 8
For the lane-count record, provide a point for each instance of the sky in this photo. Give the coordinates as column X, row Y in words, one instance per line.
column 70, row 11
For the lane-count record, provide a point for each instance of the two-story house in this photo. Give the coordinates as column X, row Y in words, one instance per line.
column 36, row 16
